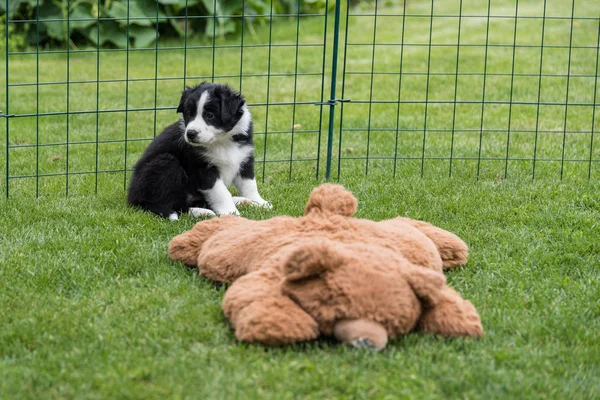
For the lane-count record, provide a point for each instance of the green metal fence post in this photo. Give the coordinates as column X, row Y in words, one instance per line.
column 460, row 14
column 324, row 59
column 564, row 141
column 594, row 104
column 344, row 74
column 68, row 102
column 485, row 66
column 7, row 110
column 127, row 98
column 512, row 85
column 37, row 98
column 156, row 69
column 98, row 17
column 539, row 94
column 332, row 101
column 264, row 166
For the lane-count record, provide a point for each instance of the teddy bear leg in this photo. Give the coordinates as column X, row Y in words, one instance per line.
column 453, row 250
column 451, row 316
column 361, row 333
column 260, row 313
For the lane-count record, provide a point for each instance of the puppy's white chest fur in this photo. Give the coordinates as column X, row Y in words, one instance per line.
column 228, row 158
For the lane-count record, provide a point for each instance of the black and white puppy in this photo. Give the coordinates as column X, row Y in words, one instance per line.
column 190, row 165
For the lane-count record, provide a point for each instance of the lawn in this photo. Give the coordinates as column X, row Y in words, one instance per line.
column 91, row 306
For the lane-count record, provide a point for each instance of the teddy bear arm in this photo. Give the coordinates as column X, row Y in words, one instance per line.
column 245, row 247
column 451, row 316
column 224, row 262
column 260, row 313
column 427, row 284
column 452, row 249
column 186, row 247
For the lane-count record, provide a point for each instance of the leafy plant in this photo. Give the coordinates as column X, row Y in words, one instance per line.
column 14, row 41
column 136, row 23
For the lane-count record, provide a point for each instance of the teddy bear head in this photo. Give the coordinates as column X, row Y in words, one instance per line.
column 331, row 198
column 358, row 291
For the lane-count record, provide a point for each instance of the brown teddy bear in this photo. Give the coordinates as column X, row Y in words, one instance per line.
column 327, row 273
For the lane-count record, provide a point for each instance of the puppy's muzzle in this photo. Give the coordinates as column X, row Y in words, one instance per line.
column 191, row 135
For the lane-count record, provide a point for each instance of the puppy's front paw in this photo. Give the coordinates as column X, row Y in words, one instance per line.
column 261, row 203
column 241, row 200
column 265, row 204
column 232, row 211
column 254, row 202
column 201, row 212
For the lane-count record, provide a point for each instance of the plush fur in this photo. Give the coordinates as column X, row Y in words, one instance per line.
column 189, row 166
column 328, row 273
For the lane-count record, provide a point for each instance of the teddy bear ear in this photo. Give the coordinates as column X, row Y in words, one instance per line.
column 311, row 258
column 332, row 198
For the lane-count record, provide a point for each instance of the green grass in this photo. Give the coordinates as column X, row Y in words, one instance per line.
column 91, row 306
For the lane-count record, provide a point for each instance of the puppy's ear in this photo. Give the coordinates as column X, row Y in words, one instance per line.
column 240, row 110
column 231, row 107
column 184, row 96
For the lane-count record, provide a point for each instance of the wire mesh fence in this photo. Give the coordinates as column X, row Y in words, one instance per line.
column 496, row 89
column 488, row 88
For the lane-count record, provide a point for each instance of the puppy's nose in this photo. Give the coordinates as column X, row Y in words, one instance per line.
column 191, row 135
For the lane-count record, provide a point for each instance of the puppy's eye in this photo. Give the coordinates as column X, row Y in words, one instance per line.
column 209, row 115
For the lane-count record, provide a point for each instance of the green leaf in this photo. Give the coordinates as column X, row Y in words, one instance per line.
column 145, row 9
column 179, row 25
column 119, row 10
column 81, row 11
column 148, row 8
column 142, row 36
column 13, row 5
column 224, row 26
column 230, row 7
column 180, row 3
column 223, row 7
column 256, row 7
column 54, row 29
column 110, row 32
column 211, row 6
